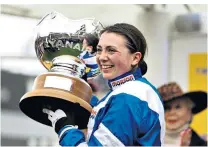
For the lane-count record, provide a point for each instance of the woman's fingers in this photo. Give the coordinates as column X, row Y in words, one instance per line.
column 186, row 137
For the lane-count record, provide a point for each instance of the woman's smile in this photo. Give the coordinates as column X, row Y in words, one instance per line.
column 106, row 68
column 172, row 121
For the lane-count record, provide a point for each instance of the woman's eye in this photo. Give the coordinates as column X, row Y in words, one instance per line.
column 99, row 50
column 111, row 50
column 167, row 108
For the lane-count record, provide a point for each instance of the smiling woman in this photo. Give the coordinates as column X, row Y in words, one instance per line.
column 178, row 113
column 118, row 52
column 131, row 113
column 179, row 110
column 111, row 54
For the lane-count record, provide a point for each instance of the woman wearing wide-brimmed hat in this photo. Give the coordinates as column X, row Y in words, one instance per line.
column 179, row 110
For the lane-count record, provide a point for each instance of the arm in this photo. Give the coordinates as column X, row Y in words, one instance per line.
column 61, row 122
column 94, row 101
column 71, row 136
column 123, row 120
column 63, row 140
column 101, row 135
column 128, row 122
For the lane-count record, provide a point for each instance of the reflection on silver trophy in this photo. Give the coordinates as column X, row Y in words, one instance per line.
column 58, row 42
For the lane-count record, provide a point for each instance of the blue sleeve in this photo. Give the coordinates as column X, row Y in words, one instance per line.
column 124, row 121
column 69, row 136
column 66, row 138
column 149, row 126
column 94, row 101
column 128, row 122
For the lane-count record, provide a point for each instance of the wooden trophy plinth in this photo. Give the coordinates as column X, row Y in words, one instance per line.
column 54, row 91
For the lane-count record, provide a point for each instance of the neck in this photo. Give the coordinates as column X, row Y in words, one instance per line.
column 172, row 137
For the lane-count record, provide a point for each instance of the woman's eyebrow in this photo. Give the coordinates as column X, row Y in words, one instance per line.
column 110, row 46
column 99, row 46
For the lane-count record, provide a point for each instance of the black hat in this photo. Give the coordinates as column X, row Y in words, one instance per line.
column 172, row 91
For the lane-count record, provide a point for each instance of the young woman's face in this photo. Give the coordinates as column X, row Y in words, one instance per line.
column 177, row 113
column 113, row 57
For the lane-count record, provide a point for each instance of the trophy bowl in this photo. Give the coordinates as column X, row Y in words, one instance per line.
column 58, row 42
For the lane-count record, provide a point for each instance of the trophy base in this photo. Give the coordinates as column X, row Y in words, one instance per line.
column 32, row 103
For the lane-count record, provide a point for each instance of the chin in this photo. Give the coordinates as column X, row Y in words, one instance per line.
column 172, row 128
column 107, row 76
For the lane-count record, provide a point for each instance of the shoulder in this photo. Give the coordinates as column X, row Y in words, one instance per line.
column 82, row 54
column 135, row 92
column 139, row 92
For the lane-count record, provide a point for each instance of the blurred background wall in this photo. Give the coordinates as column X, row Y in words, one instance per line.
column 174, row 33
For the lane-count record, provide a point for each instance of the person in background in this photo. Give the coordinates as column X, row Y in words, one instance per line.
column 180, row 108
column 131, row 113
column 88, row 56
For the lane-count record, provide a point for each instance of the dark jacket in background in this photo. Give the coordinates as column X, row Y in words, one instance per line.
column 196, row 140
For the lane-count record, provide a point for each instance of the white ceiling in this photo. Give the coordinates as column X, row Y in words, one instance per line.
column 75, row 11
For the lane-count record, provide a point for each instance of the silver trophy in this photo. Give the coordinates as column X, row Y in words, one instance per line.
column 58, row 42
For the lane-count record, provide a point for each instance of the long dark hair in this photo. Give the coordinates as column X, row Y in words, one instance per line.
column 92, row 40
column 135, row 40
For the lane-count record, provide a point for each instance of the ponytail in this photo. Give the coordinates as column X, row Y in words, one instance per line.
column 143, row 67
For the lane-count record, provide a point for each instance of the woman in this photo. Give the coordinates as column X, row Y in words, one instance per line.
column 131, row 113
column 179, row 110
column 88, row 56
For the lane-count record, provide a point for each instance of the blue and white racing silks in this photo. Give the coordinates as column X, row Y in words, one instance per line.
column 131, row 114
column 90, row 61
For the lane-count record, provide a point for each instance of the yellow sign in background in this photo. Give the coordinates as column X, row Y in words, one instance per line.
column 198, row 81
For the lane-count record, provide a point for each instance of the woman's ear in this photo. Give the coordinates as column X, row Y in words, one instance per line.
column 136, row 58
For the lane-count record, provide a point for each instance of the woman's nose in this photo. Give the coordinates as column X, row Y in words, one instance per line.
column 103, row 56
